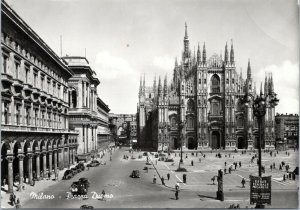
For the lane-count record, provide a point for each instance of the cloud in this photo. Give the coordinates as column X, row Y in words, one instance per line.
column 165, row 62
column 286, row 85
column 108, row 66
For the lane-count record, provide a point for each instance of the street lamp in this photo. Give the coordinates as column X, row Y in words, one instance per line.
column 259, row 110
column 181, row 126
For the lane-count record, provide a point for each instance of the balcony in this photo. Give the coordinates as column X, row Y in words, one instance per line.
column 22, row 128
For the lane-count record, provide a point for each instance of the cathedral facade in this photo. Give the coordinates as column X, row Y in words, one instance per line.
column 206, row 105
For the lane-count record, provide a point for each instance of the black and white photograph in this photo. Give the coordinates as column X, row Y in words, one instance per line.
column 149, row 104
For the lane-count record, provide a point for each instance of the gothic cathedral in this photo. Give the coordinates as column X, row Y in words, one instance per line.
column 207, row 105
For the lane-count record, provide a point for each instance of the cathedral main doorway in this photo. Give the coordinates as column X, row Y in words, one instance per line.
column 215, row 140
column 241, row 143
column 192, row 143
column 175, row 143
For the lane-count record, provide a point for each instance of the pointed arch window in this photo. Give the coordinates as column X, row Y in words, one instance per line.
column 215, row 84
column 190, row 106
column 190, row 122
column 240, row 122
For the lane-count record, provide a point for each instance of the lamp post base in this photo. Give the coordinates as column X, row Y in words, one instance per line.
column 181, row 161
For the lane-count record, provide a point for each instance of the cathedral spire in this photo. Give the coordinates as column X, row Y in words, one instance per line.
column 159, row 87
column 266, row 85
column 144, row 87
column 231, row 53
column 249, row 70
column 186, row 33
column 261, row 93
column 204, row 54
column 154, row 84
column 165, row 86
column 176, row 63
column 272, row 85
column 198, row 54
column 226, row 54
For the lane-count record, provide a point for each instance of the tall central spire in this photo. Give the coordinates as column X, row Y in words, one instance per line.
column 249, row 70
column 186, row 34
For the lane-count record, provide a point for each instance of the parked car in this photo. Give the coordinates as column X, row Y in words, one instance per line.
column 93, row 163
column 86, row 207
column 80, row 167
column 74, row 171
column 68, row 175
column 135, row 174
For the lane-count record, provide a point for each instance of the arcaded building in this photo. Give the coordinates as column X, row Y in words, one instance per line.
column 35, row 135
column 206, row 105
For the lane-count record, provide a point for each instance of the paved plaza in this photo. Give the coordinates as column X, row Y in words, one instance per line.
column 198, row 192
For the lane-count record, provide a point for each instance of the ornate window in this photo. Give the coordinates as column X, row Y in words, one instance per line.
column 28, row 116
column 240, row 122
column 173, row 122
column 18, row 114
column 190, row 122
column 215, row 84
column 4, row 63
column 190, row 105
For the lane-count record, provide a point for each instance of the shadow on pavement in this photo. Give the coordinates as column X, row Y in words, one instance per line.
column 206, row 196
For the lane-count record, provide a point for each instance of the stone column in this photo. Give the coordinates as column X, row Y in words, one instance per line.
column 50, row 161
column 38, row 170
column 21, row 172
column 74, row 153
column 10, row 159
column 59, row 158
column 29, row 155
column 44, row 164
column 55, row 161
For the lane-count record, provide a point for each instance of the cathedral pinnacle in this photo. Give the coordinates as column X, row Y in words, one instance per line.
column 249, row 70
column 186, row 34
column 266, row 84
column 204, row 54
column 226, row 54
column 198, row 54
column 165, row 86
column 159, row 87
column 176, row 63
column 231, row 53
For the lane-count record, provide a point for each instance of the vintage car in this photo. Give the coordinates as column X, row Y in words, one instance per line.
column 93, row 163
column 80, row 167
column 85, row 181
column 68, row 175
column 74, row 171
column 86, row 207
column 135, row 174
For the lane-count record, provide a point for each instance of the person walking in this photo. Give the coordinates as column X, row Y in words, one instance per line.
column 176, row 194
column 177, row 186
column 162, row 180
column 243, row 182
column 154, row 179
column 168, row 176
column 103, row 196
column 192, row 163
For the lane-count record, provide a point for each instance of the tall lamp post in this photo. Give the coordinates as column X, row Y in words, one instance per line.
column 259, row 110
column 181, row 126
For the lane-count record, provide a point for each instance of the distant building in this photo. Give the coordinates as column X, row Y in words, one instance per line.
column 125, row 127
column 287, row 130
column 206, row 105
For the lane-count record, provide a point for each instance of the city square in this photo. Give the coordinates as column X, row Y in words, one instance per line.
column 171, row 104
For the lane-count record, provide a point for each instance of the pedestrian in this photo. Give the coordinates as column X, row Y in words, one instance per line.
column 243, row 182
column 280, row 167
column 192, row 163
column 186, row 156
column 204, row 155
column 284, row 177
column 229, row 170
column 225, row 171
column 176, row 194
column 162, row 180
column 271, row 167
column 213, row 179
column 225, row 164
column 103, row 196
column 154, row 179
column 240, row 164
column 168, row 176
column 177, row 186
column 274, row 165
column 235, row 165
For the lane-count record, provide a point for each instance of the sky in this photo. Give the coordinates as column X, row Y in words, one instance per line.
column 125, row 39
